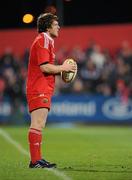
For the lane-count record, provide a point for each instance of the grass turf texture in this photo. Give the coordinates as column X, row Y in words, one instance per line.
column 82, row 153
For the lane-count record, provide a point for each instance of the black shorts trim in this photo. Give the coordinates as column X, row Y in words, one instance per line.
column 40, row 108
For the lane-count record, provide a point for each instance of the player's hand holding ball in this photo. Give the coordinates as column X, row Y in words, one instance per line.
column 69, row 74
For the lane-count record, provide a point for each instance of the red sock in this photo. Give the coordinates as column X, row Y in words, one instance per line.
column 35, row 139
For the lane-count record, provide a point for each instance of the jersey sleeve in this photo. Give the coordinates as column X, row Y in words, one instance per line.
column 43, row 54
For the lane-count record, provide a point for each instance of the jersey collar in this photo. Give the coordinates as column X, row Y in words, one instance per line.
column 48, row 36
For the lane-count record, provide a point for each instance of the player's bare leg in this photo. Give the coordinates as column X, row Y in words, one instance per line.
column 38, row 118
column 38, row 121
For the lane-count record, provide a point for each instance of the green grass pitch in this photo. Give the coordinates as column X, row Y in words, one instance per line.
column 81, row 153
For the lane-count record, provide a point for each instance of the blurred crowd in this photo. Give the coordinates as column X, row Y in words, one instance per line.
column 100, row 72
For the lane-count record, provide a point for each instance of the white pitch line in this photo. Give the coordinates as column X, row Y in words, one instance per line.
column 59, row 174
column 24, row 152
column 13, row 142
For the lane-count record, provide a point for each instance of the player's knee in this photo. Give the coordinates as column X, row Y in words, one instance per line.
column 38, row 124
column 41, row 124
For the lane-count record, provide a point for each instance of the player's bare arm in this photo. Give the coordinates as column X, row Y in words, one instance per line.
column 56, row 69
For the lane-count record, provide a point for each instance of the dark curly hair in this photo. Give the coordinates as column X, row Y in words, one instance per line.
column 44, row 21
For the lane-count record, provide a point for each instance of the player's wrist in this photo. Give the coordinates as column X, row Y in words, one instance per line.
column 61, row 68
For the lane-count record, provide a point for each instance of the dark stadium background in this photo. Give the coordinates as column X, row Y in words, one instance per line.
column 89, row 29
column 74, row 12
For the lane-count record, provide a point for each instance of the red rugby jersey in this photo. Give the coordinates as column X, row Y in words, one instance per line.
column 42, row 51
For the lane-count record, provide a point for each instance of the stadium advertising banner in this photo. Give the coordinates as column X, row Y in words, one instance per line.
column 76, row 108
column 90, row 109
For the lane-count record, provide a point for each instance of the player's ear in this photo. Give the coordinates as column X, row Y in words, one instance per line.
column 48, row 29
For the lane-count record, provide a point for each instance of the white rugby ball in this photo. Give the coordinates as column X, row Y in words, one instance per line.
column 68, row 77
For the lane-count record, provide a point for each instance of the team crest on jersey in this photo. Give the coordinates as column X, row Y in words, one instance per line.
column 45, row 100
